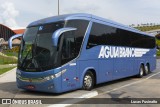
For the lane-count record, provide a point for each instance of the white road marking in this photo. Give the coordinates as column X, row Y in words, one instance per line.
column 75, row 100
column 95, row 93
column 129, row 84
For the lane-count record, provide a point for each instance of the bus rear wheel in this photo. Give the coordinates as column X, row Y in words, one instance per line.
column 88, row 81
column 147, row 69
column 141, row 71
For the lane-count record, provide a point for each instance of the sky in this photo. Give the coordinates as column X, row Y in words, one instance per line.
column 19, row 13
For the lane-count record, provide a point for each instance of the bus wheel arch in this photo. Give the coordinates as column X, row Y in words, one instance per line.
column 89, row 79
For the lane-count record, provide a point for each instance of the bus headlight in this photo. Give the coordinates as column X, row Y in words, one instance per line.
column 55, row 75
column 41, row 79
column 49, row 77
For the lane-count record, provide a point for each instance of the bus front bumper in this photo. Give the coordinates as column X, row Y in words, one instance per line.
column 38, row 82
column 48, row 86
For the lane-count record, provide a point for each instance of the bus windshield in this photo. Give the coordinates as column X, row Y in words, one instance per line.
column 37, row 52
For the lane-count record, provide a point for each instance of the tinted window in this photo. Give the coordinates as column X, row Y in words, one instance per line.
column 72, row 40
column 37, row 52
column 101, row 35
column 106, row 35
column 81, row 26
column 142, row 41
column 68, row 47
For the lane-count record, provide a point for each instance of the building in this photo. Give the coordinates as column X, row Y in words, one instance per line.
column 19, row 31
column 6, row 33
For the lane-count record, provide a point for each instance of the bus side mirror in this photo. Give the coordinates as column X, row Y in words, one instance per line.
column 11, row 39
column 58, row 32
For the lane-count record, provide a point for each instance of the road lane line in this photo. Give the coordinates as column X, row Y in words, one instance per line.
column 75, row 100
column 95, row 93
column 129, row 84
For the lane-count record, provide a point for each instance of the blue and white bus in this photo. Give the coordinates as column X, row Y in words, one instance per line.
column 68, row 52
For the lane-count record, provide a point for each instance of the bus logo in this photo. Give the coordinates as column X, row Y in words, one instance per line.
column 40, row 28
column 121, row 52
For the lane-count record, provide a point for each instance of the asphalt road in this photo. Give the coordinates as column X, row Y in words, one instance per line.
column 146, row 87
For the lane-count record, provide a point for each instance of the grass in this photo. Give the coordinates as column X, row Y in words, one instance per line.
column 3, row 70
column 10, row 54
column 158, row 43
column 7, row 66
column 158, row 53
column 7, row 60
column 148, row 28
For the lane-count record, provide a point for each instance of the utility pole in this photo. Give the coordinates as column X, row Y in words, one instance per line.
column 58, row 7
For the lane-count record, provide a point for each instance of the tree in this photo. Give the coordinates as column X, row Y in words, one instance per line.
column 158, row 36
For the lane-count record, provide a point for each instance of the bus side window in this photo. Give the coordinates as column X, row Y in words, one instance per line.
column 68, row 47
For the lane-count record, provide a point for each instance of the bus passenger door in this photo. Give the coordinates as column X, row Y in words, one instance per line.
column 69, row 62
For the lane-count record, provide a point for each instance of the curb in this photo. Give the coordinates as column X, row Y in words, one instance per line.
column 7, row 72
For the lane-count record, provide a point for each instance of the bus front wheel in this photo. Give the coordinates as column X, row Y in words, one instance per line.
column 88, row 81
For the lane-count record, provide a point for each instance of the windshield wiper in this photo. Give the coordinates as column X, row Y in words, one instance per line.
column 25, row 59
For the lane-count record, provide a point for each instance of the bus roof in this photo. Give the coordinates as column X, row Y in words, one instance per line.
column 84, row 16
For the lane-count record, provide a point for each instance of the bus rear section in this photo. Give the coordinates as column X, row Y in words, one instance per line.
column 114, row 52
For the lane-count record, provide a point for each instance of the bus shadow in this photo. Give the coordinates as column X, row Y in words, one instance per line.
column 122, row 81
column 11, row 88
column 114, row 82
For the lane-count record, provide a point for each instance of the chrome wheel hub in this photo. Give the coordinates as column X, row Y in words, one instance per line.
column 88, row 81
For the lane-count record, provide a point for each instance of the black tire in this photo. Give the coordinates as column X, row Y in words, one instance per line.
column 88, row 81
column 147, row 70
column 141, row 71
